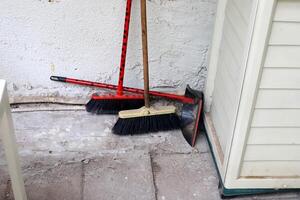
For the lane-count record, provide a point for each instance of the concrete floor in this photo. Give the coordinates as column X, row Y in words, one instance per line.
column 72, row 155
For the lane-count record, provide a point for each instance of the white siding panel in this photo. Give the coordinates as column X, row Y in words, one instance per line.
column 287, row 10
column 229, row 86
column 239, row 25
column 285, row 34
column 276, row 118
column 223, row 109
column 273, row 144
column 235, row 45
column 223, row 106
column 272, row 153
column 283, row 56
column 280, row 78
column 231, row 65
column 274, row 136
column 228, row 80
column 226, row 105
column 243, row 8
column 271, row 169
column 278, row 99
column 224, row 93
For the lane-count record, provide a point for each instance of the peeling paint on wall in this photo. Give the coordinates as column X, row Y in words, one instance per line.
column 82, row 39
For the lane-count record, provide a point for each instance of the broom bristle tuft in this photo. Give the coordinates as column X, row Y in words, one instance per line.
column 146, row 124
column 112, row 106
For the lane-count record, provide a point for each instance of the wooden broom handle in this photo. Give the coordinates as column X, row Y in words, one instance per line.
column 145, row 52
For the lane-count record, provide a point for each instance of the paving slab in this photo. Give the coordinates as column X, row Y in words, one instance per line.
column 52, row 145
column 78, row 131
column 4, row 180
column 54, row 182
column 185, row 177
column 2, row 191
column 2, row 155
column 119, row 177
column 202, row 144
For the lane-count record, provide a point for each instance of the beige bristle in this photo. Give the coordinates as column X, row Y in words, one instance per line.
column 143, row 112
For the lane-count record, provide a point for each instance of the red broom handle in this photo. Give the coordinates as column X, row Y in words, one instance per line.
column 127, row 89
column 124, row 47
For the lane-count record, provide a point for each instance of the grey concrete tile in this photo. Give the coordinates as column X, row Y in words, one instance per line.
column 70, row 123
column 51, row 142
column 2, row 191
column 3, row 174
column 185, row 177
column 2, row 155
column 78, row 131
column 174, row 142
column 51, row 182
column 4, row 178
column 119, row 177
column 202, row 144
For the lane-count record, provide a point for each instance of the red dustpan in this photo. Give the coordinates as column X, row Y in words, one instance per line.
column 191, row 116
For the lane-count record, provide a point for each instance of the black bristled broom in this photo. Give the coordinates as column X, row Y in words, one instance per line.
column 113, row 103
column 146, row 119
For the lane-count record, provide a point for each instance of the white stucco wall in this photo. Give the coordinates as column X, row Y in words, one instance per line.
column 82, row 39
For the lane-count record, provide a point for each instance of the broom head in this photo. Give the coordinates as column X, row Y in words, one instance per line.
column 146, row 120
column 112, row 104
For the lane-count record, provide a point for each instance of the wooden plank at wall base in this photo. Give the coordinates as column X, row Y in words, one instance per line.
column 284, row 33
column 277, row 136
column 272, row 153
column 220, row 125
column 274, row 118
column 271, row 169
column 288, row 10
column 273, row 78
column 215, row 142
column 283, row 56
column 278, row 99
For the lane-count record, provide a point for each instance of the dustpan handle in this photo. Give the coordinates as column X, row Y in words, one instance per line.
column 145, row 52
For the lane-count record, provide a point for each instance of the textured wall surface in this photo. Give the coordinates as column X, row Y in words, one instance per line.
column 82, row 39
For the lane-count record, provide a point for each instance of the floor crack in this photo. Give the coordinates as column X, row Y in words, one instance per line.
column 82, row 180
column 153, row 176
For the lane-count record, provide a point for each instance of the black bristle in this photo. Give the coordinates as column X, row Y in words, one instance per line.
column 147, row 124
column 112, row 106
